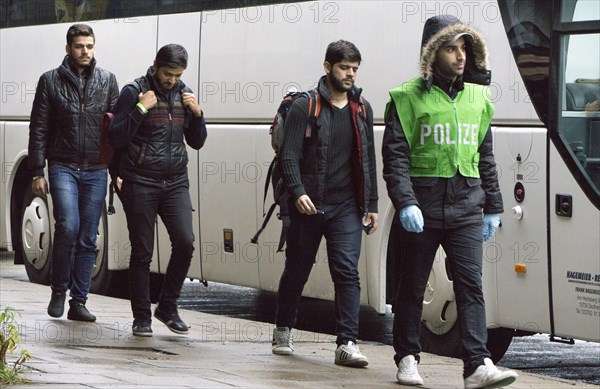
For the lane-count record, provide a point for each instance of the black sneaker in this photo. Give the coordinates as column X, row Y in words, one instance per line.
column 141, row 328
column 172, row 321
column 56, row 308
column 79, row 312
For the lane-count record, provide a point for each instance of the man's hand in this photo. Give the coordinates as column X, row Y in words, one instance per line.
column 189, row 100
column 39, row 187
column 148, row 99
column 305, row 205
column 371, row 220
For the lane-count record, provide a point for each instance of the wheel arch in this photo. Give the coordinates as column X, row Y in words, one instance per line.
column 18, row 183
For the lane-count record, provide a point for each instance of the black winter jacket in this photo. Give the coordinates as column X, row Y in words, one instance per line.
column 65, row 118
column 153, row 150
column 445, row 202
column 304, row 161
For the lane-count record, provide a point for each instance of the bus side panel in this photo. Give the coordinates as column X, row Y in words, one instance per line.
column 375, row 245
column 228, row 202
column 8, row 169
column 521, row 297
column 575, row 258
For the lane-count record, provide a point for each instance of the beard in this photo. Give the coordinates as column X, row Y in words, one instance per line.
column 338, row 83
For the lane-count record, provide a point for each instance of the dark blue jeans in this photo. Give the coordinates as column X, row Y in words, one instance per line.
column 77, row 205
column 142, row 203
column 341, row 225
column 463, row 247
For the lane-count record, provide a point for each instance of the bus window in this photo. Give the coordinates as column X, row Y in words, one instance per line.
column 579, row 122
column 583, row 10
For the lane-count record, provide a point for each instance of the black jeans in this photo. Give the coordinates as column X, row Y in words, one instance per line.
column 463, row 247
column 341, row 225
column 173, row 204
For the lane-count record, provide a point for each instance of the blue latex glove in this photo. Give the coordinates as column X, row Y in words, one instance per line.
column 490, row 223
column 412, row 219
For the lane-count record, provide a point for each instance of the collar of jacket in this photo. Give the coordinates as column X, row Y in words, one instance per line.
column 450, row 87
column 353, row 94
column 68, row 68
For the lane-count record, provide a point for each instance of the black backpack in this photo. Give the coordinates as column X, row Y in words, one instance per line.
column 274, row 176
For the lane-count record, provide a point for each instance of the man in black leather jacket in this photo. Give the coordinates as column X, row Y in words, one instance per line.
column 154, row 118
column 64, row 129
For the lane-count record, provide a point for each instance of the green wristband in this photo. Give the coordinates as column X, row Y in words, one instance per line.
column 142, row 108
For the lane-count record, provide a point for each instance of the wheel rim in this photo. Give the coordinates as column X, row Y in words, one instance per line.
column 36, row 233
column 439, row 304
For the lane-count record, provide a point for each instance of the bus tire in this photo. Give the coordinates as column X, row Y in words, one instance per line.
column 448, row 344
column 36, row 239
column 499, row 340
column 107, row 282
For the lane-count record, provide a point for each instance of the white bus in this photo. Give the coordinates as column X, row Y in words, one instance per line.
column 542, row 269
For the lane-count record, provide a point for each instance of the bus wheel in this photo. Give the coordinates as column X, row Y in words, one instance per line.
column 104, row 281
column 499, row 340
column 448, row 344
column 35, row 236
column 439, row 304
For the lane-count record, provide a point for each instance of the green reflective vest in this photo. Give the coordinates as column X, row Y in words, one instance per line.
column 443, row 134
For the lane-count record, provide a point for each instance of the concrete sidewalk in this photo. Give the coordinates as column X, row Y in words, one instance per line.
column 219, row 352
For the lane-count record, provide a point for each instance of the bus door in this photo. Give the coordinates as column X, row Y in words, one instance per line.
column 574, row 170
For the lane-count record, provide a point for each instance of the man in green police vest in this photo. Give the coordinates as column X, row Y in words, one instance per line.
column 441, row 177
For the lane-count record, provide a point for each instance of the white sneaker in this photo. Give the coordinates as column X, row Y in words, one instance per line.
column 407, row 372
column 349, row 355
column 283, row 341
column 488, row 376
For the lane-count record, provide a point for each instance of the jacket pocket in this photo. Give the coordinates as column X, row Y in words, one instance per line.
column 423, row 164
column 427, row 191
column 141, row 155
column 476, row 194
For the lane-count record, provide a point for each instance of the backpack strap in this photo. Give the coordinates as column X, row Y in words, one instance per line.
column 265, row 222
column 111, row 199
column 314, row 102
column 268, row 181
column 362, row 109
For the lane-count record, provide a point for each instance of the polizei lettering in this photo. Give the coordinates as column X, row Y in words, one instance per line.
column 468, row 134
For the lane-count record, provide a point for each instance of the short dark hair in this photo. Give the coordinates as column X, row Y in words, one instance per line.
column 79, row 30
column 342, row 50
column 172, row 56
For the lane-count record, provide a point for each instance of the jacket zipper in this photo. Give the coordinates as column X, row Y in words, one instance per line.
column 171, row 101
column 81, row 121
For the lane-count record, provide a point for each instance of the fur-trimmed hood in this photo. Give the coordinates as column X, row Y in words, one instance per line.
column 441, row 29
